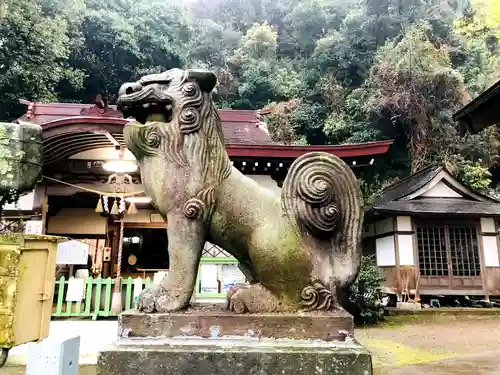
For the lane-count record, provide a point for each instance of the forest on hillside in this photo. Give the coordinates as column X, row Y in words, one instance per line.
column 330, row 71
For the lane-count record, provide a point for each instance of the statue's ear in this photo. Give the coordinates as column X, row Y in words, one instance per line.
column 204, row 78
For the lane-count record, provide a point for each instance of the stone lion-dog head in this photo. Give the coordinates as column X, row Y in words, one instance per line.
column 176, row 137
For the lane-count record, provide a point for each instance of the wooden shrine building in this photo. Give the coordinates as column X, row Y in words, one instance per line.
column 442, row 235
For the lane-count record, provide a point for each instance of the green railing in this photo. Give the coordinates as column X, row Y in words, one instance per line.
column 99, row 291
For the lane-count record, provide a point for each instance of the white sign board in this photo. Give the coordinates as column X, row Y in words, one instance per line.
column 76, row 290
column 33, row 227
column 72, row 252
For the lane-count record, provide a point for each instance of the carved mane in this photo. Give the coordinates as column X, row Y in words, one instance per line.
column 193, row 140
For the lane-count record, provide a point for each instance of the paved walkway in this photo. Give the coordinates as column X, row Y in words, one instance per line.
column 93, row 337
column 453, row 346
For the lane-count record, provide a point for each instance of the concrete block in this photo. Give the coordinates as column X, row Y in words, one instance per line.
column 54, row 357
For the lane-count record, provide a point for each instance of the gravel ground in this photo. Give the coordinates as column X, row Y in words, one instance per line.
column 447, row 337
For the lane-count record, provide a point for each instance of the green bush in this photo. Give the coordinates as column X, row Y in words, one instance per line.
column 365, row 293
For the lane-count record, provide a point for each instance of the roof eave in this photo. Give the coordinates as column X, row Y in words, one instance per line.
column 413, row 212
column 290, row 151
column 481, row 112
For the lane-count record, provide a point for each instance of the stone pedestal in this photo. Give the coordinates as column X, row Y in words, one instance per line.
column 212, row 321
column 211, row 341
column 234, row 357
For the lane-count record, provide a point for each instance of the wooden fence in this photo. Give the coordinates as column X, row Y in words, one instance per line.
column 98, row 293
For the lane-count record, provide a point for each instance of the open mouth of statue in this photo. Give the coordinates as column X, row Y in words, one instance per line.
column 145, row 104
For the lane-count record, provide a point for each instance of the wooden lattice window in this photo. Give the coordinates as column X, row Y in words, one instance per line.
column 464, row 252
column 439, row 246
column 432, row 254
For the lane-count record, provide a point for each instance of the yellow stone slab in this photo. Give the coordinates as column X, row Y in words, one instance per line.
column 6, row 331
column 9, row 276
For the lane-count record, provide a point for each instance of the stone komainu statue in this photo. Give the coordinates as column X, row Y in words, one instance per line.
column 298, row 251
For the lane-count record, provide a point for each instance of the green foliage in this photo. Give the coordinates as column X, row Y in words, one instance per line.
column 370, row 190
column 475, row 176
column 413, row 88
column 472, row 174
column 366, row 293
column 34, row 52
column 7, row 175
column 357, row 71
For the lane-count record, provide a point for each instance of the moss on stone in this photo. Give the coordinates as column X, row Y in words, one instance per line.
column 12, row 239
column 390, row 353
column 397, row 321
column 9, row 277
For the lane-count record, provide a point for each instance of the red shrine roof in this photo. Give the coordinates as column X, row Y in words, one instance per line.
column 239, row 126
column 69, row 128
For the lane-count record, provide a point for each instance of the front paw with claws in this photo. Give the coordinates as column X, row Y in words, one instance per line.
column 159, row 299
column 147, row 297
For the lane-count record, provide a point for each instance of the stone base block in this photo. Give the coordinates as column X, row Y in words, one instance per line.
column 214, row 321
column 234, row 357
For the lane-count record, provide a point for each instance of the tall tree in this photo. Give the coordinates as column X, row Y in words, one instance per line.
column 123, row 39
column 34, row 51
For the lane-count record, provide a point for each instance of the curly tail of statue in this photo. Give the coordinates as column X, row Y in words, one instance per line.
column 321, row 197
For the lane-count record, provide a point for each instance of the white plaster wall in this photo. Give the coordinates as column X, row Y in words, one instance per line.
column 386, row 255
column 25, row 202
column 384, row 226
column 490, row 249
column 487, row 225
column 441, row 190
column 405, row 250
column 267, row 182
column 404, row 223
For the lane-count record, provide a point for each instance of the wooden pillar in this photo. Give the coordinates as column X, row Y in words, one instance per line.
column 114, row 250
column 416, row 259
column 398, row 264
column 45, row 212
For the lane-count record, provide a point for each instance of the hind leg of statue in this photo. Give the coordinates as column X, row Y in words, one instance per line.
column 186, row 238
